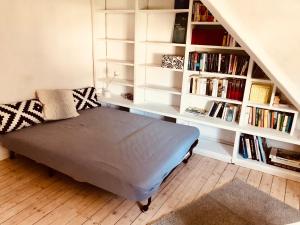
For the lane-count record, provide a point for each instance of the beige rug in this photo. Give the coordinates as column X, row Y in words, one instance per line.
column 236, row 203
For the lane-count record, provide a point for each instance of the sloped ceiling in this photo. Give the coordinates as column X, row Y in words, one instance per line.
column 269, row 30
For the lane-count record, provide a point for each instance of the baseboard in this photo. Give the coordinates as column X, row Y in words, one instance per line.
column 4, row 154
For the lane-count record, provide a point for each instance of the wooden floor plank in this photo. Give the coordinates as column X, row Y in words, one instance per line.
column 213, row 179
column 175, row 197
column 292, row 194
column 266, row 183
column 228, row 175
column 204, row 173
column 242, row 174
column 254, row 178
column 278, row 188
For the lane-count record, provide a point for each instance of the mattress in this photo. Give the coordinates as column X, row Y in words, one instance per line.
column 121, row 152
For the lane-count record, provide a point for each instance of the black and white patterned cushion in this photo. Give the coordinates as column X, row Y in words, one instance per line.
column 85, row 98
column 19, row 115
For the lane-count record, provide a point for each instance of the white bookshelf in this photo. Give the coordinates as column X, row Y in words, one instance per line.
column 130, row 38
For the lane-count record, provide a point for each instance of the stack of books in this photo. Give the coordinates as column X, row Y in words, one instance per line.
column 201, row 13
column 253, row 147
column 270, row 119
column 260, row 93
column 229, row 41
column 224, row 111
column 216, row 87
column 285, row 159
column 218, row 63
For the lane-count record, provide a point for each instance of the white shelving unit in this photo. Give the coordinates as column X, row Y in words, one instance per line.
column 130, row 38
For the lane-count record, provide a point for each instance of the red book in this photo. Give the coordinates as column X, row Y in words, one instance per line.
column 207, row 36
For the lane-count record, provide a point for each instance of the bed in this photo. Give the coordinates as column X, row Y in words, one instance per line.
column 127, row 154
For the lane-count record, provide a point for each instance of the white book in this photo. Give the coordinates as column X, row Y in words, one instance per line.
column 224, row 113
column 194, row 89
column 285, row 123
column 235, row 108
column 215, row 87
column 218, row 109
column 278, row 121
column 203, row 85
column 224, row 88
column 248, row 146
column 204, row 62
column 248, row 115
column 219, row 62
column 257, row 149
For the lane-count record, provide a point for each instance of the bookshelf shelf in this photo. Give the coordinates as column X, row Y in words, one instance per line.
column 119, row 62
column 213, row 149
column 206, row 23
column 218, row 99
column 122, row 82
column 195, row 47
column 163, row 43
column 156, row 66
column 116, row 40
column 217, row 75
column 116, row 100
column 209, row 121
column 141, row 32
column 115, row 11
column 280, row 108
column 170, row 90
column 267, row 168
column 162, row 11
column 272, row 134
column 266, row 81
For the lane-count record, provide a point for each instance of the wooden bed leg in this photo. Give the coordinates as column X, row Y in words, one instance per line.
column 50, row 172
column 144, row 208
column 12, row 155
column 186, row 160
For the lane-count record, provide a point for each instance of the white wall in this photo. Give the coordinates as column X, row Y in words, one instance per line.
column 44, row 44
column 269, row 29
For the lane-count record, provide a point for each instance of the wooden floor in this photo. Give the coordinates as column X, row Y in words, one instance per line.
column 29, row 196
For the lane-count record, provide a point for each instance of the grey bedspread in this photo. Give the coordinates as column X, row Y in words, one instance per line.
column 123, row 153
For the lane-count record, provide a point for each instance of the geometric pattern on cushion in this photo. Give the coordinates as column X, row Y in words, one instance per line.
column 19, row 115
column 85, row 98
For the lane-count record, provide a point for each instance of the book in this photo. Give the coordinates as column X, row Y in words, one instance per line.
column 213, row 109
column 181, row 4
column 252, row 147
column 243, row 147
column 257, row 151
column 286, row 157
column 215, row 87
column 224, row 88
column 180, row 28
column 261, row 149
column 260, row 93
column 248, row 147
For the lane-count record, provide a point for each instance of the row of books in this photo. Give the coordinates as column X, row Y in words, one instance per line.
column 224, row 111
column 253, row 147
column 216, row 87
column 256, row 148
column 201, row 13
column 265, row 118
column 218, row 63
column 285, row 159
column 228, row 40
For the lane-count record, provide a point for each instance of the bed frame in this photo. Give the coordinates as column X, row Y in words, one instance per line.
column 143, row 208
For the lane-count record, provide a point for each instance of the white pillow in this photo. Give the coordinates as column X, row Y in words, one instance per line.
column 58, row 104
